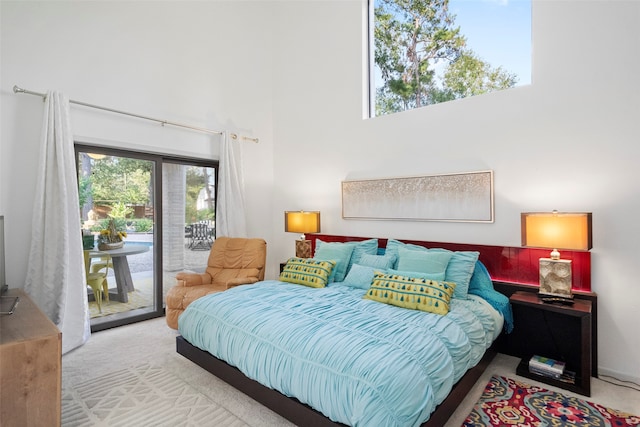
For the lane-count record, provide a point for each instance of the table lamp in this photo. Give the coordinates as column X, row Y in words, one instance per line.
column 302, row 222
column 556, row 230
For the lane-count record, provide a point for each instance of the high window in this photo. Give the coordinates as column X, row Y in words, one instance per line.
column 431, row 51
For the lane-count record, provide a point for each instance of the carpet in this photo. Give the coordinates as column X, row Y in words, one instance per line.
column 142, row 396
column 507, row 402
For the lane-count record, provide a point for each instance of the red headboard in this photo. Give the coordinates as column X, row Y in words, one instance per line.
column 505, row 263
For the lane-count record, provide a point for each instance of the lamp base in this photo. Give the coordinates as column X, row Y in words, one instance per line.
column 555, row 278
column 303, row 248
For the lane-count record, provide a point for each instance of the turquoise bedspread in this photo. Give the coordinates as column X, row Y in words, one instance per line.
column 359, row 362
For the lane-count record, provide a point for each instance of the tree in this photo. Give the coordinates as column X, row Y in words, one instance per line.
column 198, row 179
column 129, row 179
column 414, row 37
column 469, row 75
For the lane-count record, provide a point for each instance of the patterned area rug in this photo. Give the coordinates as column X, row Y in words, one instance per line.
column 137, row 300
column 143, row 396
column 507, row 402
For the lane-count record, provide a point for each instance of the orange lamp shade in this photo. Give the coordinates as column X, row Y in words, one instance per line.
column 302, row 222
column 557, row 230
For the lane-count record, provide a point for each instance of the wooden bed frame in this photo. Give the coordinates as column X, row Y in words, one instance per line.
column 520, row 265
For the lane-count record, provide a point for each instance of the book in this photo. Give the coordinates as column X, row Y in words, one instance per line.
column 545, row 365
column 567, row 377
column 544, row 373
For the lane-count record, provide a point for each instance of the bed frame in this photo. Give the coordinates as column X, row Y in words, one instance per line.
column 512, row 268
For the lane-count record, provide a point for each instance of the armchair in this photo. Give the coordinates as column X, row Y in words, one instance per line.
column 231, row 262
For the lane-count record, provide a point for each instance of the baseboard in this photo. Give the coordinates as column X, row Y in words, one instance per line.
column 604, row 372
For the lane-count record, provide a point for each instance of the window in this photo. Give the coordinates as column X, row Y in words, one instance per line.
column 427, row 52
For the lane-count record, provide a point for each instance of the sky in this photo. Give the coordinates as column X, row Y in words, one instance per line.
column 499, row 31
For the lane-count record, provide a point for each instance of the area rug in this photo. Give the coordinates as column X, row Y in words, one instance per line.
column 507, row 402
column 141, row 297
column 142, row 396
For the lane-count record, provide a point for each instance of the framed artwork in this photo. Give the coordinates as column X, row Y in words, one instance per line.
column 456, row 197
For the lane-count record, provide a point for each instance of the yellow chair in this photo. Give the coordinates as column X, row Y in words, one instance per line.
column 97, row 281
column 102, row 262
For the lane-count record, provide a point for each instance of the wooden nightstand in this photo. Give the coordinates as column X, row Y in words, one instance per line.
column 561, row 332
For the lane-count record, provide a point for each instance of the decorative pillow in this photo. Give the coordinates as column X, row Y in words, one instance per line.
column 364, row 247
column 425, row 261
column 359, row 276
column 394, row 245
column 412, row 293
column 334, row 251
column 307, row 271
column 378, row 261
column 431, row 276
column 460, row 269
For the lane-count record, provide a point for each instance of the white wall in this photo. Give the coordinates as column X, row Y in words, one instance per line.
column 290, row 72
column 568, row 142
column 202, row 63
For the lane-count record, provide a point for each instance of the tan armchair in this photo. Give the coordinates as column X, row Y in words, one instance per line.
column 232, row 262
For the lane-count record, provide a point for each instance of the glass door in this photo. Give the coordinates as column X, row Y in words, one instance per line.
column 119, row 225
column 189, row 201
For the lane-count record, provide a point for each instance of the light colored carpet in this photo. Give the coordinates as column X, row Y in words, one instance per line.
column 146, row 395
column 152, row 343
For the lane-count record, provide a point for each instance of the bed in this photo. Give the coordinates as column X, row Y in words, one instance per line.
column 334, row 355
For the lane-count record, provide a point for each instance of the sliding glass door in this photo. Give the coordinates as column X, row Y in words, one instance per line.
column 160, row 212
column 189, row 195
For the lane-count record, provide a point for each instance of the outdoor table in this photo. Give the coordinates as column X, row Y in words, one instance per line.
column 121, row 269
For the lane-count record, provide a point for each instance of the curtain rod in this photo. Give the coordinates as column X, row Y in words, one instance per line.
column 17, row 89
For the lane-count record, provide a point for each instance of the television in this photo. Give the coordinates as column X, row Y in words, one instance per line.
column 7, row 303
column 3, row 278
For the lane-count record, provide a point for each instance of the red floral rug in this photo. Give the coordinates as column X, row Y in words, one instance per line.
column 507, row 402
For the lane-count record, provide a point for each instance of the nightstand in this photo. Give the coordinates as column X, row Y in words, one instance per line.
column 561, row 332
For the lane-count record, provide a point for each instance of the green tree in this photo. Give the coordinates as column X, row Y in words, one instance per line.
column 414, row 37
column 469, row 75
column 128, row 179
column 197, row 180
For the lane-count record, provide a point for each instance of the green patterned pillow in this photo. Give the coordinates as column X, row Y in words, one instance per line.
column 414, row 293
column 307, row 271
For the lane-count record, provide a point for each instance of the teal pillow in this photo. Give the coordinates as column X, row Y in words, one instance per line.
column 378, row 261
column 338, row 252
column 394, row 245
column 359, row 276
column 369, row 246
column 439, row 277
column 460, row 269
column 425, row 261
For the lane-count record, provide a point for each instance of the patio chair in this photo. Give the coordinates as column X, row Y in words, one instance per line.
column 97, row 281
column 200, row 237
column 104, row 262
column 232, row 262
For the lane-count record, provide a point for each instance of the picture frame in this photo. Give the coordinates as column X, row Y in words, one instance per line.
column 454, row 197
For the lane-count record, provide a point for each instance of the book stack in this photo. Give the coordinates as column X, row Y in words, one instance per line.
column 546, row 367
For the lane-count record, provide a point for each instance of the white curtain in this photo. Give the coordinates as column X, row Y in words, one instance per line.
column 55, row 274
column 230, row 210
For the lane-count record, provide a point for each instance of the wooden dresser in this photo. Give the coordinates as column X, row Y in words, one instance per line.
column 30, row 367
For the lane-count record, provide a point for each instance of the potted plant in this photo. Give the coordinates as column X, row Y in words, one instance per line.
column 110, row 237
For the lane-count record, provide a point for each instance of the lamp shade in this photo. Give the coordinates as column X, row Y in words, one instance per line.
column 302, row 222
column 557, row 230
